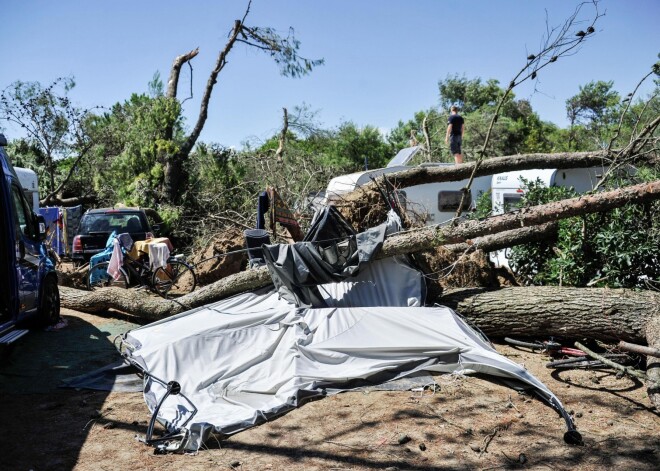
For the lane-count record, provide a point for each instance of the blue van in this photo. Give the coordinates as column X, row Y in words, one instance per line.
column 28, row 282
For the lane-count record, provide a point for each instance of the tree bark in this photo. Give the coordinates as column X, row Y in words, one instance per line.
column 151, row 307
column 174, row 177
column 55, row 200
column 540, row 311
column 173, row 82
column 429, row 237
column 282, row 141
column 505, row 239
column 598, row 313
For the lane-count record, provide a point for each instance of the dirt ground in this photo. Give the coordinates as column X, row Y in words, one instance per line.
column 467, row 423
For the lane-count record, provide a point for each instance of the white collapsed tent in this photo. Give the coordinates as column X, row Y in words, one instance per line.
column 244, row 360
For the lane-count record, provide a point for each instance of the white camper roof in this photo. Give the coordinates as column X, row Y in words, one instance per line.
column 404, row 156
column 346, row 183
column 27, row 178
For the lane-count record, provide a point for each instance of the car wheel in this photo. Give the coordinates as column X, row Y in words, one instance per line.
column 49, row 307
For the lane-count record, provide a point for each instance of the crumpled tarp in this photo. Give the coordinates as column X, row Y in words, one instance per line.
column 247, row 359
column 330, row 253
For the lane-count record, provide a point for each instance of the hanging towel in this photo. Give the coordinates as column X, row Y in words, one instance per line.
column 158, row 255
column 116, row 260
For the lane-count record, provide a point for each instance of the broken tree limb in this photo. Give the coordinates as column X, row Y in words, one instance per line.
column 506, row 239
column 639, row 349
column 173, row 82
column 428, row 237
column 624, row 369
column 151, row 307
column 421, row 175
column 413, row 241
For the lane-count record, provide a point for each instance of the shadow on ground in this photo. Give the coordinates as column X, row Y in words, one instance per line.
column 44, row 425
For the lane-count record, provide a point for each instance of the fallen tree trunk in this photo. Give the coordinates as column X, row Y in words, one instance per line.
column 423, row 174
column 150, row 307
column 365, row 202
column 429, row 237
column 541, row 311
column 410, row 242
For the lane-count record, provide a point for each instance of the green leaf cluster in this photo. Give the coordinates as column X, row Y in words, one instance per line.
column 618, row 248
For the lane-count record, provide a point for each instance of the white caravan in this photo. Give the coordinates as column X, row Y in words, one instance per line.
column 508, row 189
column 30, row 184
column 433, row 203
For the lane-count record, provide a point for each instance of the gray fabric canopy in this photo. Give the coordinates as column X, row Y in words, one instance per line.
column 246, row 359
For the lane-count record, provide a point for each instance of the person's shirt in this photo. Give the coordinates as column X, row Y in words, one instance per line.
column 456, row 122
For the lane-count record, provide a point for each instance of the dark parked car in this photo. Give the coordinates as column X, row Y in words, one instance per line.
column 96, row 225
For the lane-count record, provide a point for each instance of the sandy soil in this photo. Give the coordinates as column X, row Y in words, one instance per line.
column 467, row 423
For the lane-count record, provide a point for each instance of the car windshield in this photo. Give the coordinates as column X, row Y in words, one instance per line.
column 127, row 222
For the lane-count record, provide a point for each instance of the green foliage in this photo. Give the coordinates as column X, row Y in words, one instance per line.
column 618, row 248
column 352, row 144
column 54, row 128
column 518, row 129
column 283, row 50
column 484, row 206
column 468, row 95
column 134, row 143
column 592, row 113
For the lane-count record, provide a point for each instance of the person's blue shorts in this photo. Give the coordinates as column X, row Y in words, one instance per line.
column 455, row 144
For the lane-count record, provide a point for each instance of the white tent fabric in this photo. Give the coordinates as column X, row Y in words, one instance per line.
column 246, row 359
column 249, row 358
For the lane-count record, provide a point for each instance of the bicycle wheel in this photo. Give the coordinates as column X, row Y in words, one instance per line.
column 175, row 279
column 518, row 343
column 98, row 277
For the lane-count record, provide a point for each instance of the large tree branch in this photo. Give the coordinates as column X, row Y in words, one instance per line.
column 173, row 82
column 204, row 106
column 428, row 174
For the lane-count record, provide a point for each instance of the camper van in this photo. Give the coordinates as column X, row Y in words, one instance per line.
column 28, row 180
column 28, row 283
column 508, row 189
column 432, row 203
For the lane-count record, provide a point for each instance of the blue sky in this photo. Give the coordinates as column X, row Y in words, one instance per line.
column 383, row 58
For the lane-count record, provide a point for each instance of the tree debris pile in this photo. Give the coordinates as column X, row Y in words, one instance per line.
column 448, row 269
column 221, row 257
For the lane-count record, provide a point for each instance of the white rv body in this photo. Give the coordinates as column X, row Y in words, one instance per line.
column 434, row 203
column 437, row 203
column 30, row 184
column 508, row 189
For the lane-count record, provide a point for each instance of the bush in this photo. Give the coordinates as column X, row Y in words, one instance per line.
column 618, row 248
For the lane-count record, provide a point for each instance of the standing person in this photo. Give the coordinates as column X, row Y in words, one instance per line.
column 455, row 129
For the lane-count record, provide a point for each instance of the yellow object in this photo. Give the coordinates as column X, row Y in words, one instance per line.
column 141, row 247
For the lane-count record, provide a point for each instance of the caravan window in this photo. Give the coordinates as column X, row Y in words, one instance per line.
column 512, row 202
column 449, row 200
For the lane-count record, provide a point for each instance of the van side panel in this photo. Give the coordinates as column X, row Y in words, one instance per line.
column 9, row 296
